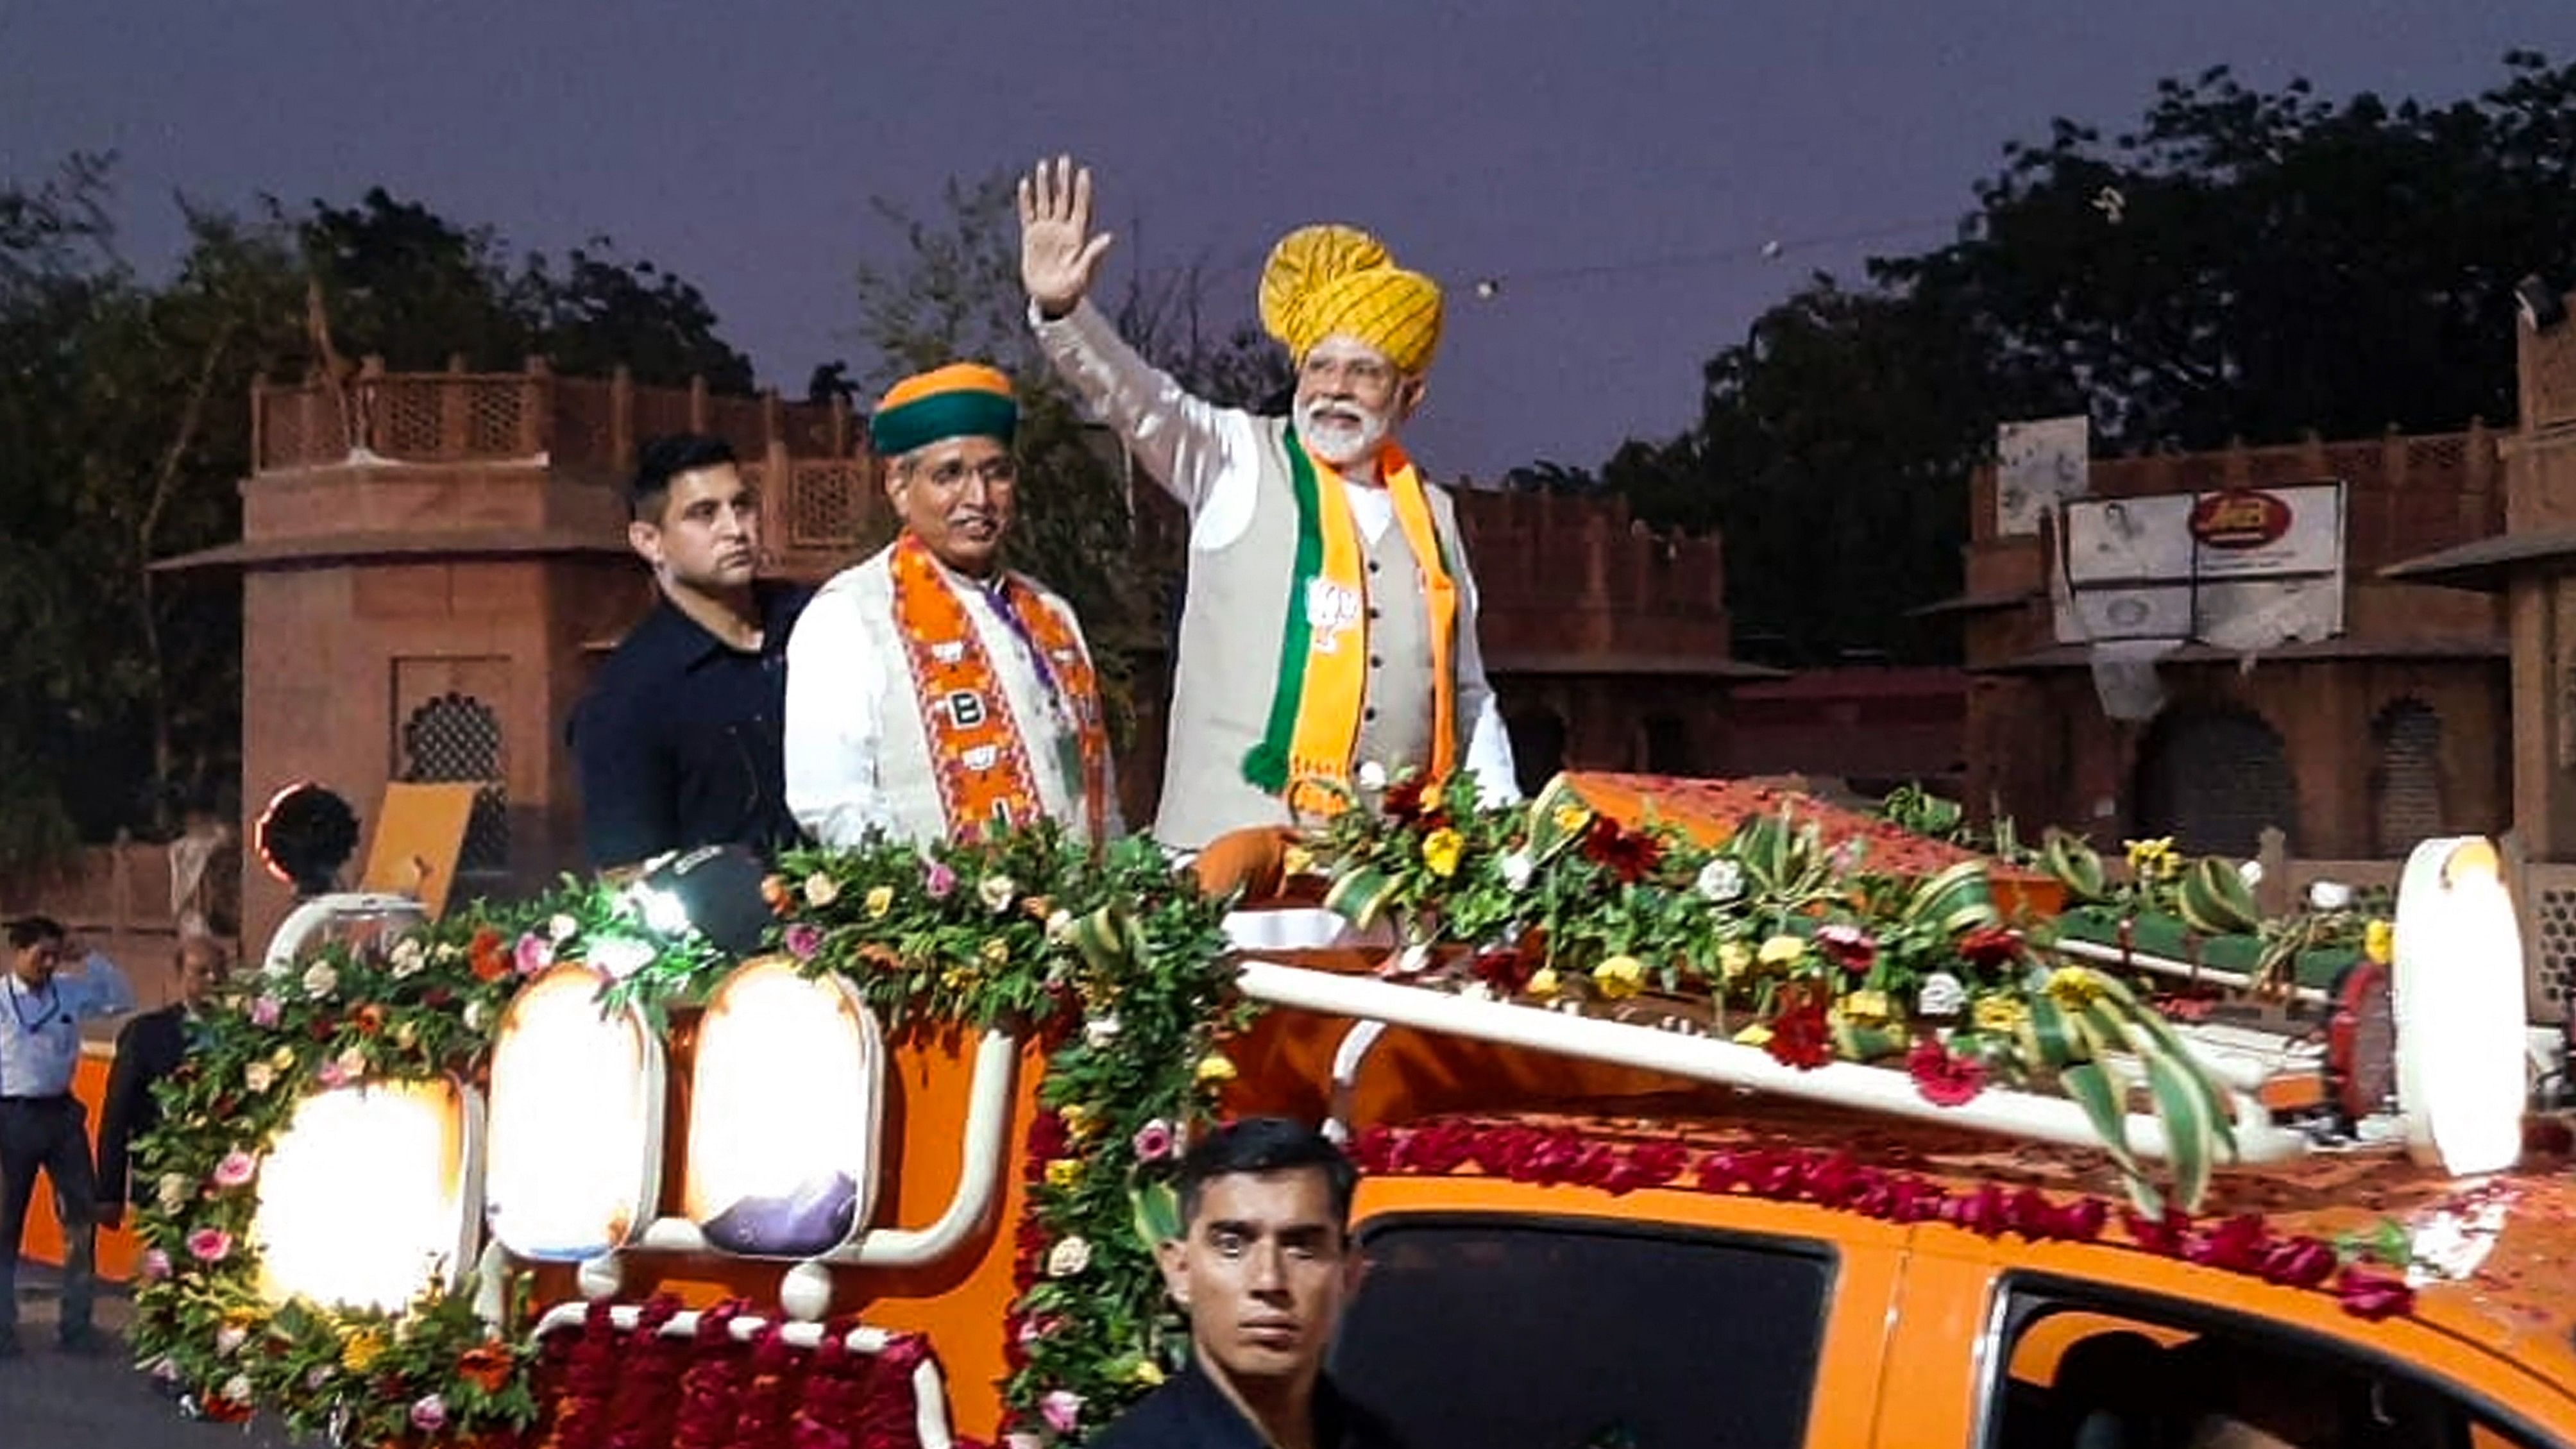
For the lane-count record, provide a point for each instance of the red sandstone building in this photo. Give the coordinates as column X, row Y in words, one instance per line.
column 434, row 565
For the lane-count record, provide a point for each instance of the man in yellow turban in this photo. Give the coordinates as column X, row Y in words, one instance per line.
column 931, row 692
column 1329, row 630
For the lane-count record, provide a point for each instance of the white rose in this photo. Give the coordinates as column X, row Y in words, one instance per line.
column 2329, row 895
column 1068, row 1257
column 171, row 1192
column 1059, row 927
column 259, row 1076
column 1941, row 995
column 408, row 958
column 1099, row 1032
column 1372, row 775
column 996, row 892
column 1720, row 881
column 230, row 1338
column 320, row 980
column 237, row 1388
column 2250, row 872
column 1517, row 869
column 560, row 929
column 474, row 1016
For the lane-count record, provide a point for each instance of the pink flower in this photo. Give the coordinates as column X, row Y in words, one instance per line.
column 156, row 1265
column 1154, row 1141
column 803, row 939
column 210, row 1245
column 237, row 1168
column 1943, row 1079
column 1037, row 1326
column 938, row 881
column 429, row 1414
column 533, row 954
column 264, row 1011
column 1062, row 1409
column 332, row 1074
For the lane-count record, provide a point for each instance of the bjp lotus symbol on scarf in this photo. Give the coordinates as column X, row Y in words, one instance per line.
column 1332, row 610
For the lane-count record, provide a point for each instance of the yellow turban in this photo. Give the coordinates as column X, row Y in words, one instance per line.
column 1323, row 280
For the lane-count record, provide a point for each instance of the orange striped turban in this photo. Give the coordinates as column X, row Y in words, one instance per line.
column 1324, row 280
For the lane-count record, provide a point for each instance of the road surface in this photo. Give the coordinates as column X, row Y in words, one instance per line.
column 54, row 1400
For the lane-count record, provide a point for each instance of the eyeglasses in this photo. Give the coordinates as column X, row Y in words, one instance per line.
column 998, row 472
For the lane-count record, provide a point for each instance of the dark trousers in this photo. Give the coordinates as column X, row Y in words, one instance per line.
column 51, row 1133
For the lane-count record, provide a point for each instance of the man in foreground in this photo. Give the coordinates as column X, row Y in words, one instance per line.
column 41, row 1122
column 933, row 694
column 679, row 741
column 149, row 1048
column 1263, row 1267
column 1330, row 618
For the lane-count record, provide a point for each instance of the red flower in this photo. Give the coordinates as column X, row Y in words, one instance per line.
column 1627, row 854
column 1990, row 946
column 1506, row 970
column 2299, row 1263
column 486, row 1366
column 490, row 962
column 1403, row 799
column 1853, row 947
column 2366, row 1294
column 1943, row 1079
column 1800, row 1038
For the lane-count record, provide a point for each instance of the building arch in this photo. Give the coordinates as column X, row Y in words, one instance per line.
column 454, row 737
column 2405, row 777
column 2213, row 777
column 1538, row 746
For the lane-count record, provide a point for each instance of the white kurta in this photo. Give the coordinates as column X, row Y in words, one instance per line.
column 858, row 756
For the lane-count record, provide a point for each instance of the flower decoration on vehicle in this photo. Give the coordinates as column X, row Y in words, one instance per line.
column 1779, row 940
column 2203, row 909
column 2365, row 1271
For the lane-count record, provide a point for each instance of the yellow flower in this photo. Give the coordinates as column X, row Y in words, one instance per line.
column 1297, row 860
column 1440, row 850
column 1148, row 1373
column 957, row 978
column 1619, row 977
column 2000, row 1013
column 1571, row 817
column 1783, row 950
column 880, row 901
column 1542, row 983
column 2074, row 987
column 1865, row 1008
column 1732, row 959
column 362, row 1350
column 997, row 952
column 1753, row 1036
column 2151, row 858
column 1063, row 1173
column 2379, row 942
column 1215, row 1067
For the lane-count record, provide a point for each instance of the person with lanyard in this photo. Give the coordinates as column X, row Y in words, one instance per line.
column 149, row 1048
column 1263, row 1267
column 1329, row 622
column 679, row 741
column 42, row 1125
column 931, row 692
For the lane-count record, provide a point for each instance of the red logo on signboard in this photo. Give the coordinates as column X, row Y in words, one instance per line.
column 2239, row 518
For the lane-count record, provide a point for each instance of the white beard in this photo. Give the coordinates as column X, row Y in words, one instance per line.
column 1353, row 437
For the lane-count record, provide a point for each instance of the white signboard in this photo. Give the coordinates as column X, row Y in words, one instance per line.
column 2038, row 464
column 2241, row 569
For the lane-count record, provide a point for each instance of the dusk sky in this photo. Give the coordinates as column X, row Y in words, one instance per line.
column 1618, row 166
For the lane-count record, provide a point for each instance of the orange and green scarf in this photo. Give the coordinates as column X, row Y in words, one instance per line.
column 1323, row 655
column 977, row 751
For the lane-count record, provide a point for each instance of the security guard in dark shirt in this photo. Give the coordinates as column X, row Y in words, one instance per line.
column 679, row 741
column 1263, row 1266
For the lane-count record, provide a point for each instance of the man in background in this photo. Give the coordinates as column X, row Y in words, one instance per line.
column 149, row 1048
column 681, row 741
column 42, row 1125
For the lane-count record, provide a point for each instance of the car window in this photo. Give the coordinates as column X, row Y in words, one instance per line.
column 2083, row 1372
column 1470, row 1332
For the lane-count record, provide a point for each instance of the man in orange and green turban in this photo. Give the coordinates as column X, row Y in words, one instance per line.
column 931, row 692
column 1330, row 621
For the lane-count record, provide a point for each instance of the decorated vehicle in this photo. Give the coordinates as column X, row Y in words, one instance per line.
column 1689, row 1113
